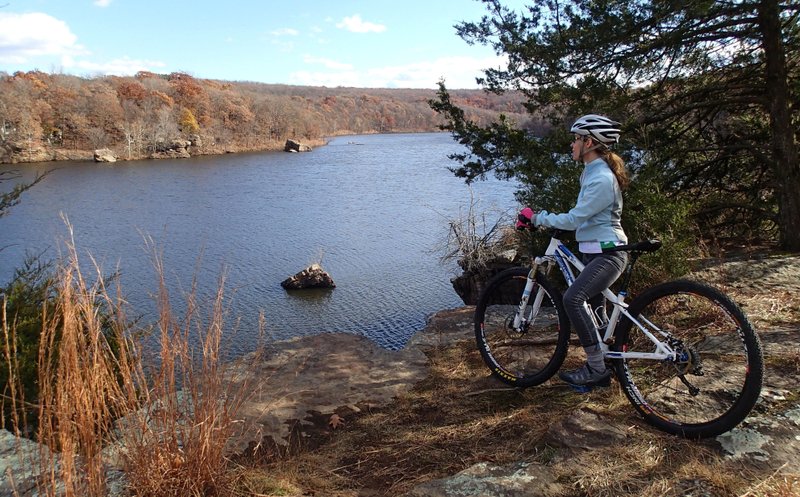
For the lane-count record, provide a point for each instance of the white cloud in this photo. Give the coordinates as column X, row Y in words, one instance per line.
column 327, row 63
column 458, row 72
column 102, row 3
column 355, row 24
column 23, row 36
column 124, row 66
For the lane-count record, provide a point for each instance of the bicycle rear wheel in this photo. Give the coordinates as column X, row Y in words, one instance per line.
column 528, row 356
column 716, row 380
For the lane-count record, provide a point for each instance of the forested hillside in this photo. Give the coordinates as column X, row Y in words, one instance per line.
column 57, row 116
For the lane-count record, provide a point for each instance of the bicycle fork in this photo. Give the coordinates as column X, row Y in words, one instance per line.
column 520, row 321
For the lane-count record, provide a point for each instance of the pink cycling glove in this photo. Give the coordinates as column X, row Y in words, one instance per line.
column 524, row 218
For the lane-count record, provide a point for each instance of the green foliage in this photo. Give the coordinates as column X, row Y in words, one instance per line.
column 649, row 213
column 30, row 305
column 707, row 90
column 26, row 296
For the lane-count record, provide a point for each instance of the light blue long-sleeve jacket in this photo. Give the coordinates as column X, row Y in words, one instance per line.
column 596, row 216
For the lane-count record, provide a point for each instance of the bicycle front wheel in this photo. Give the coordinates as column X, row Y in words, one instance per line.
column 716, row 379
column 531, row 353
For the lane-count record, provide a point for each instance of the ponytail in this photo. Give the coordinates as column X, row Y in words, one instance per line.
column 617, row 166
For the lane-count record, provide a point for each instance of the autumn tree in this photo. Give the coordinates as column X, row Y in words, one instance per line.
column 708, row 92
column 17, row 121
column 187, row 122
column 41, row 113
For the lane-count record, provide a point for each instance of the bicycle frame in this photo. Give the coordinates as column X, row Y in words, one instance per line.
column 558, row 253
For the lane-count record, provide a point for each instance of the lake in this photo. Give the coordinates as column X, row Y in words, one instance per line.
column 373, row 209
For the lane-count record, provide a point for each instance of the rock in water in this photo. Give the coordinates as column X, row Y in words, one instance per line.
column 295, row 146
column 104, row 155
column 311, row 277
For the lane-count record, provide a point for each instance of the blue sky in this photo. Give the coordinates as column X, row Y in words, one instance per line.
column 377, row 43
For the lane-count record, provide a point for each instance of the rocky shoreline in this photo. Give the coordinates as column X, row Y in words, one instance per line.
column 175, row 149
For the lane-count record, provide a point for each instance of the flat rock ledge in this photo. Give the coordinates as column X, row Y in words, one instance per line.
column 319, row 374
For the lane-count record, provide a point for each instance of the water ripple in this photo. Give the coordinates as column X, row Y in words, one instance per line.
column 372, row 213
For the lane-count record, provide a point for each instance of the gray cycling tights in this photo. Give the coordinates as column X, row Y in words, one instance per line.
column 601, row 271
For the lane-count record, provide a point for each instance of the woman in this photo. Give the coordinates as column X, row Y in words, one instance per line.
column 596, row 222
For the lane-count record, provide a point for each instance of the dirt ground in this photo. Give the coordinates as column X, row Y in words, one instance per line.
column 442, row 426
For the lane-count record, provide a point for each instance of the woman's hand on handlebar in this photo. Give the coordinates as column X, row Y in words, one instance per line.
column 524, row 219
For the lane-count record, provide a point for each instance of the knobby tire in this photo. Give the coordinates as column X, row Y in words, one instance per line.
column 533, row 356
column 715, row 384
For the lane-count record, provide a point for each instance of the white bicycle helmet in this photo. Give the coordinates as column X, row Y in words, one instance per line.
column 601, row 128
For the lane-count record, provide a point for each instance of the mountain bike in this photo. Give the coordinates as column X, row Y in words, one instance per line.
column 685, row 354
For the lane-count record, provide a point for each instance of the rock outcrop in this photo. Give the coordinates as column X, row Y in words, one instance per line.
column 295, row 146
column 326, row 373
column 469, row 284
column 19, row 152
column 176, row 149
column 104, row 155
column 311, row 277
column 21, row 464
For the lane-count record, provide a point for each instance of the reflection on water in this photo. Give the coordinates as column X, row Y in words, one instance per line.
column 373, row 214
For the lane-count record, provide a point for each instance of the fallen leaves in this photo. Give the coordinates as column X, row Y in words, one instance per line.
column 336, row 421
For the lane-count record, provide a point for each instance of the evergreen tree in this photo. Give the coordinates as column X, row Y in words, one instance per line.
column 12, row 198
column 708, row 91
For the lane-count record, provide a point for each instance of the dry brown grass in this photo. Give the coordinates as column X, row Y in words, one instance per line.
column 167, row 430
column 474, row 239
column 79, row 379
column 453, row 420
column 175, row 444
column 448, row 422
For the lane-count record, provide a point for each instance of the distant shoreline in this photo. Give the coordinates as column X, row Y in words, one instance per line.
column 52, row 154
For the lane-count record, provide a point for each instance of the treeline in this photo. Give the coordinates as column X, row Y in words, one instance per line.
column 57, row 116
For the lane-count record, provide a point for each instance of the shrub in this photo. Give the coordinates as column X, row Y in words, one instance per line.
column 29, row 301
column 648, row 213
column 170, row 428
column 24, row 299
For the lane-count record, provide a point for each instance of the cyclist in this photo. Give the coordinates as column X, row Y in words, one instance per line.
column 596, row 222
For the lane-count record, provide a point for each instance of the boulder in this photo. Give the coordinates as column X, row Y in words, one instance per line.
column 22, row 462
column 177, row 149
column 104, row 155
column 469, row 284
column 311, row 277
column 295, row 146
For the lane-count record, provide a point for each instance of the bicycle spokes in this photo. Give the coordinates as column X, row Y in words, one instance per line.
column 707, row 385
column 521, row 347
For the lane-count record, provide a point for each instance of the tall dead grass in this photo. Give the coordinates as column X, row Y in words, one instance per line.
column 475, row 239
column 175, row 444
column 164, row 425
